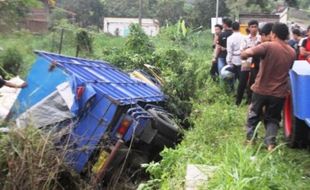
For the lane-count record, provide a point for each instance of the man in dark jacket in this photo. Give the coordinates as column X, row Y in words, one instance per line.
column 221, row 52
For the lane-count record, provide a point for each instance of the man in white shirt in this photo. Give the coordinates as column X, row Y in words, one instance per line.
column 233, row 48
column 233, row 52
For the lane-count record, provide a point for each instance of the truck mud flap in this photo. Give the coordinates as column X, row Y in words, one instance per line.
column 113, row 159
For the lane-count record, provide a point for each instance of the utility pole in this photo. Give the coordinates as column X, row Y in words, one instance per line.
column 217, row 11
column 140, row 12
column 61, row 40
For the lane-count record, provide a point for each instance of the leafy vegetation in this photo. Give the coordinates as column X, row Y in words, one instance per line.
column 215, row 135
column 28, row 159
column 84, row 42
column 11, row 62
column 12, row 11
column 218, row 140
column 87, row 13
column 138, row 42
column 196, row 13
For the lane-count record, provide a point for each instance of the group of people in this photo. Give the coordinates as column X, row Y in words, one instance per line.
column 260, row 62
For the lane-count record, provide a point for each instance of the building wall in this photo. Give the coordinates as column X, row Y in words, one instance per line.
column 120, row 26
column 262, row 18
column 37, row 21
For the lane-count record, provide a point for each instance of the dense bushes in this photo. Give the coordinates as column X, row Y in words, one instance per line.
column 84, row 42
column 179, row 70
column 11, row 61
column 138, row 50
column 138, row 42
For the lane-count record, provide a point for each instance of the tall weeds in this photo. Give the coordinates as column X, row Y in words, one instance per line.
column 30, row 161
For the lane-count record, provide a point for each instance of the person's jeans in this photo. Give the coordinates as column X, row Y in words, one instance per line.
column 271, row 114
column 221, row 62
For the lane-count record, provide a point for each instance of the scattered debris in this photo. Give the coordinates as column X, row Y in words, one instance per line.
column 197, row 175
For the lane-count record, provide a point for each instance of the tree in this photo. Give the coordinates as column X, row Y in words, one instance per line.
column 236, row 7
column 170, row 10
column 249, row 6
column 88, row 12
column 11, row 11
column 304, row 4
column 203, row 10
column 130, row 8
column 265, row 6
column 163, row 10
column 293, row 3
column 122, row 8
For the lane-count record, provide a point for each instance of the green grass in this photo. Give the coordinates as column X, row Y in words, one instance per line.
column 217, row 137
column 26, row 43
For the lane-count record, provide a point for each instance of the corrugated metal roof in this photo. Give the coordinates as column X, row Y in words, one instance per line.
column 107, row 79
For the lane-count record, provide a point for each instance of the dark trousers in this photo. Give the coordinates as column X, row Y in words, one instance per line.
column 253, row 74
column 271, row 115
column 237, row 71
column 243, row 81
column 213, row 70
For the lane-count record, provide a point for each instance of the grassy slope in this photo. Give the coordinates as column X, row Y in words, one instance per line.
column 218, row 136
column 217, row 139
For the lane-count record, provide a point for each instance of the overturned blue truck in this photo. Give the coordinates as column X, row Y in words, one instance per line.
column 104, row 116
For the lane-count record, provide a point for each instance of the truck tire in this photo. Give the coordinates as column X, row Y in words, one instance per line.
column 295, row 130
column 164, row 124
column 161, row 141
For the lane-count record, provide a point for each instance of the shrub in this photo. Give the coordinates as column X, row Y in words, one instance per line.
column 138, row 42
column 138, row 50
column 11, row 62
column 84, row 42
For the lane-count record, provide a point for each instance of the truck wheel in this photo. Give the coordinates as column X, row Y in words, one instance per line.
column 295, row 130
column 161, row 141
column 164, row 124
